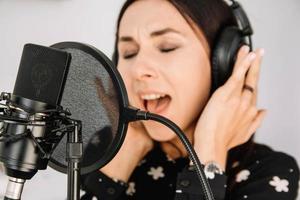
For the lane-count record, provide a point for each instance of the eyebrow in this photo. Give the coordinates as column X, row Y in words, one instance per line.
column 153, row 34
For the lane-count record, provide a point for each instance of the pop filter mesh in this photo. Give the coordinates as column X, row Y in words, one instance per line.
column 90, row 96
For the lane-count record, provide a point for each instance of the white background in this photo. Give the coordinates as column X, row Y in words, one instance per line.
column 45, row 22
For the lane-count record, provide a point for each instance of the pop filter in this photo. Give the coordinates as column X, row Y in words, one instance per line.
column 95, row 96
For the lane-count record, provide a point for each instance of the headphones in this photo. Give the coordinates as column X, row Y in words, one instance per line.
column 227, row 45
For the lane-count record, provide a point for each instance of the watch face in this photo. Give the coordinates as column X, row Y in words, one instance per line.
column 213, row 167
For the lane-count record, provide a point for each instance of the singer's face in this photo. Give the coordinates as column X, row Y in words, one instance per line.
column 164, row 64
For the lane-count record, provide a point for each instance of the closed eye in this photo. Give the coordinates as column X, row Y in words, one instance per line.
column 166, row 50
column 162, row 50
column 129, row 56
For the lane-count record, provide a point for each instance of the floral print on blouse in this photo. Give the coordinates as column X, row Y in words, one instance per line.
column 264, row 174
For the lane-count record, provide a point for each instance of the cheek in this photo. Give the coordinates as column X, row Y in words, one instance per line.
column 190, row 86
column 192, row 90
column 127, row 79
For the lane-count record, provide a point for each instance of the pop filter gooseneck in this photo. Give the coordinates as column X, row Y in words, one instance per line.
column 193, row 156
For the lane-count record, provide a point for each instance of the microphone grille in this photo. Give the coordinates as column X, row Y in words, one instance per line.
column 42, row 74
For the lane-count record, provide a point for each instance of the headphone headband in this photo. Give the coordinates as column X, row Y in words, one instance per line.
column 242, row 20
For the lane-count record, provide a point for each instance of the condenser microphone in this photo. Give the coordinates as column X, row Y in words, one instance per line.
column 33, row 121
column 27, row 118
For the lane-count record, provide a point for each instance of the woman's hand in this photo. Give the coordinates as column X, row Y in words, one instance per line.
column 230, row 117
column 136, row 145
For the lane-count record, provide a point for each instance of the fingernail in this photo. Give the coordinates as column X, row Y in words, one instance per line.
column 251, row 56
column 246, row 48
column 262, row 52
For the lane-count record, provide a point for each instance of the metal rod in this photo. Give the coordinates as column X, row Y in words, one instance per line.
column 14, row 189
column 74, row 154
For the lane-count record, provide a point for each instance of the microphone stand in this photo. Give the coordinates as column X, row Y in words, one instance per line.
column 74, row 151
column 74, row 155
column 14, row 188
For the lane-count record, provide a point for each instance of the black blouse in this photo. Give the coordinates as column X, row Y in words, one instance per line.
column 264, row 174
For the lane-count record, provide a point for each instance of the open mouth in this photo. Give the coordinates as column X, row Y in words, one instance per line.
column 156, row 103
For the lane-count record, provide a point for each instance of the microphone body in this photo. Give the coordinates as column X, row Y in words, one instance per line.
column 28, row 118
column 21, row 157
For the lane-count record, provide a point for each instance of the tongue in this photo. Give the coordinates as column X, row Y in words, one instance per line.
column 157, row 105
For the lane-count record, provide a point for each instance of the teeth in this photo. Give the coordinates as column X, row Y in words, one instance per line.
column 152, row 96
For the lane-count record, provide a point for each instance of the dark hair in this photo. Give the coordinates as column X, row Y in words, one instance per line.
column 211, row 17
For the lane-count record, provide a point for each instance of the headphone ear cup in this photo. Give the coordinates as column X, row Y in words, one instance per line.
column 224, row 55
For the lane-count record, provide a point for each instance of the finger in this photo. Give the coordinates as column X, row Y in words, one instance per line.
column 136, row 125
column 100, row 88
column 101, row 94
column 237, row 79
column 254, row 98
column 242, row 54
column 251, row 79
column 257, row 121
column 256, row 72
column 251, row 130
column 109, row 104
column 253, row 73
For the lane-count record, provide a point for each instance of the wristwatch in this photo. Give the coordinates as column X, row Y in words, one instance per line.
column 211, row 169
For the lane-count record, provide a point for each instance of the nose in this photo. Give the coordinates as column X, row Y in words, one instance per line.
column 145, row 67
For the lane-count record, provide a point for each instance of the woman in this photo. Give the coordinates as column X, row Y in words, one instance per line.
column 163, row 51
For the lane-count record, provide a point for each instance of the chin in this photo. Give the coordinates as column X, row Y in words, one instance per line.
column 159, row 132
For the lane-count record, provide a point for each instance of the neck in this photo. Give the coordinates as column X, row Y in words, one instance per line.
column 174, row 148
